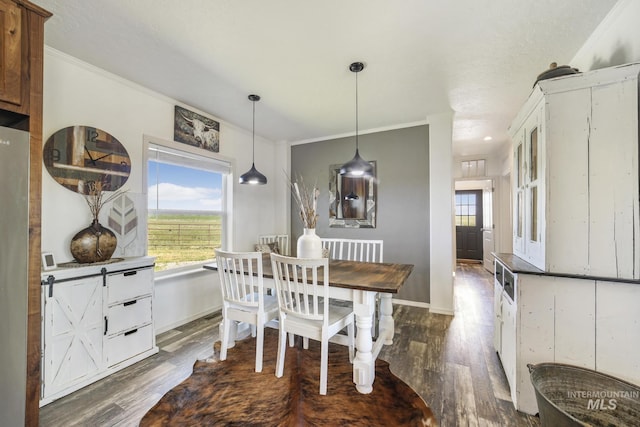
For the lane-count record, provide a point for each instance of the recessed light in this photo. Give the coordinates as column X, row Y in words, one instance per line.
column 488, row 138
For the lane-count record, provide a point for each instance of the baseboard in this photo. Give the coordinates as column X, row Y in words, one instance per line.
column 411, row 303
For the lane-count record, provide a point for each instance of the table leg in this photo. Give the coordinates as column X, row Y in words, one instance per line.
column 364, row 361
column 386, row 325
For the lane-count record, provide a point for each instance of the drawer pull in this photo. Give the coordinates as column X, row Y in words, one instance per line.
column 130, row 302
column 130, row 332
column 131, row 273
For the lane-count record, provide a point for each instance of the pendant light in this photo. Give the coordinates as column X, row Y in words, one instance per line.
column 253, row 176
column 357, row 167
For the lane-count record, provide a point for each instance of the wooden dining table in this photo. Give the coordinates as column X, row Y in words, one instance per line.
column 360, row 283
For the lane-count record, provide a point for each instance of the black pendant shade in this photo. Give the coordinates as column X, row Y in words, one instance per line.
column 357, row 167
column 252, row 176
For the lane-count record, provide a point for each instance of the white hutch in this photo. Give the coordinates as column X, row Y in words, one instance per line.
column 570, row 292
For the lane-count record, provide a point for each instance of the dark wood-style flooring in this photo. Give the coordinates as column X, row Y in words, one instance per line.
column 449, row 361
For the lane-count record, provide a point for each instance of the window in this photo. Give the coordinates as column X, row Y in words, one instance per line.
column 471, row 168
column 465, row 209
column 187, row 216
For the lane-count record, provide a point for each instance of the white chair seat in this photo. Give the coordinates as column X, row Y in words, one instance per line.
column 339, row 317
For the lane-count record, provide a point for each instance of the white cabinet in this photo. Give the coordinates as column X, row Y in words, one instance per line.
column 96, row 319
column 578, row 321
column 576, row 179
column 72, row 332
column 618, row 330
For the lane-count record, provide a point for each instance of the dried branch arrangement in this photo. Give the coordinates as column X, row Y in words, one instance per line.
column 96, row 200
column 306, row 200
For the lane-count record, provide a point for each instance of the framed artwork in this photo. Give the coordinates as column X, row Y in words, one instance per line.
column 196, row 130
column 124, row 217
column 352, row 201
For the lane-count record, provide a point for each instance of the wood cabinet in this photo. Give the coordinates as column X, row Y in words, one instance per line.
column 96, row 320
column 576, row 180
column 11, row 54
column 21, row 68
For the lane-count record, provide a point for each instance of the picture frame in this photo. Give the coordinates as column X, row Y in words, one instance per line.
column 48, row 261
column 196, row 130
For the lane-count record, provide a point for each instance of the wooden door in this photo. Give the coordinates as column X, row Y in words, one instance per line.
column 469, row 224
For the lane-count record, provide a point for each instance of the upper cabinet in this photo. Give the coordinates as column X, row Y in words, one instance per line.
column 576, row 181
column 21, row 51
column 11, row 54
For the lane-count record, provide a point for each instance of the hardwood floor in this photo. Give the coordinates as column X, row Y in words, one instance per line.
column 449, row 361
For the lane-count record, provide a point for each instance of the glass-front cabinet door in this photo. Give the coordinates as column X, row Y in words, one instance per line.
column 518, row 215
column 528, row 227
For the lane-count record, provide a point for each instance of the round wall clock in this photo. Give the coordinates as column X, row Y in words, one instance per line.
column 79, row 157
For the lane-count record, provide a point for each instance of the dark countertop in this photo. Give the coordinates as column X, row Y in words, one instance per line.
column 518, row 265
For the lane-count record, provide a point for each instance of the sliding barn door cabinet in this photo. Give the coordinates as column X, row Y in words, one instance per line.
column 96, row 320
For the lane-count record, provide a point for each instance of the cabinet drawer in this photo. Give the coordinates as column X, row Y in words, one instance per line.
column 129, row 315
column 129, row 285
column 128, row 344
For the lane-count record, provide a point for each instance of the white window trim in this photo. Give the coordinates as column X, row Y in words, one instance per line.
column 227, row 200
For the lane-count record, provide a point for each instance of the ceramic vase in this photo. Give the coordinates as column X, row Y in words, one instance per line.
column 309, row 244
column 93, row 244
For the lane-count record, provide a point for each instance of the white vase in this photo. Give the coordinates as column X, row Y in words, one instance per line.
column 309, row 244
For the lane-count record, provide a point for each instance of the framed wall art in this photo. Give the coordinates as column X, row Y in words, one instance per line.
column 196, row 130
column 352, row 201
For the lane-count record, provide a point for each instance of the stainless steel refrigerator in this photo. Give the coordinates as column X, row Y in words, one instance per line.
column 14, row 246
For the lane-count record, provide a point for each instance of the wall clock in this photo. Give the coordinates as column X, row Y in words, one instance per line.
column 79, row 157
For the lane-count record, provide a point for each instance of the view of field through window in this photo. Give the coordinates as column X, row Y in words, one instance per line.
column 185, row 214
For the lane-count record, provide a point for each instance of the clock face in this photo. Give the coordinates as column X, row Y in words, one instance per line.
column 79, row 157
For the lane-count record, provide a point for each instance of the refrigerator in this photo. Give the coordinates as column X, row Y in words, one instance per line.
column 14, row 246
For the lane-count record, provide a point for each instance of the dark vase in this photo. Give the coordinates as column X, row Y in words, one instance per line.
column 93, row 244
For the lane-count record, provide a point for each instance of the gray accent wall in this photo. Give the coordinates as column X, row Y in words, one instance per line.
column 402, row 221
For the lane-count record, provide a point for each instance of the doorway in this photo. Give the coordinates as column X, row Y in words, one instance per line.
column 469, row 224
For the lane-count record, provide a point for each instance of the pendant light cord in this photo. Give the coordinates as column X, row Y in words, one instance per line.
column 356, row 111
column 253, row 134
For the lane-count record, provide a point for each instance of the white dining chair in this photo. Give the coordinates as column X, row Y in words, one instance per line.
column 281, row 239
column 357, row 250
column 302, row 288
column 244, row 298
column 354, row 249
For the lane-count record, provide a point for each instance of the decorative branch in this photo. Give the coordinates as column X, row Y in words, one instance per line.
column 96, row 200
column 306, row 200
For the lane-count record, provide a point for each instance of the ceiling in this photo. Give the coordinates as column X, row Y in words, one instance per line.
column 476, row 58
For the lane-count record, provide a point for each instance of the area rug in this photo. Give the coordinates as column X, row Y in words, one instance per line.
column 230, row 392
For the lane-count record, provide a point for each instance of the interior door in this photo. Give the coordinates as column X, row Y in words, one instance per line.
column 469, row 224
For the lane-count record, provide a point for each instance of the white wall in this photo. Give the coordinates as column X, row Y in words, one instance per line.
column 441, row 219
column 76, row 93
column 615, row 41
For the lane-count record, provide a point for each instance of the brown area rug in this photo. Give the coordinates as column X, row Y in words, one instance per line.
column 230, row 392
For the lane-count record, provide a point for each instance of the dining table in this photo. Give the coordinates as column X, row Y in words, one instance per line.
column 361, row 283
